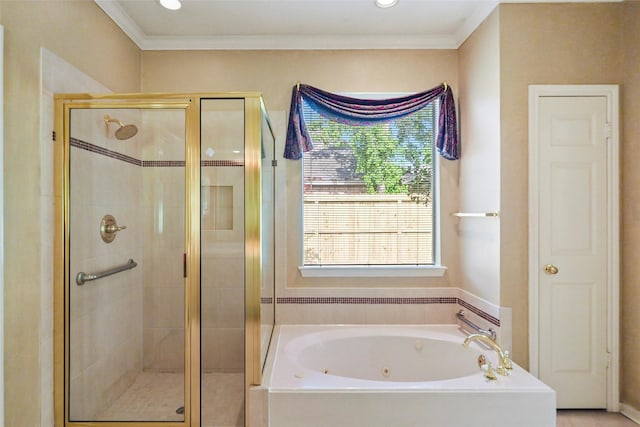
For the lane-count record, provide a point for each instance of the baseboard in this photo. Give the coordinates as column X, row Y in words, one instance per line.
column 630, row 412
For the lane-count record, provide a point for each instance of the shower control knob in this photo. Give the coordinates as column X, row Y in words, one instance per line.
column 109, row 227
column 113, row 228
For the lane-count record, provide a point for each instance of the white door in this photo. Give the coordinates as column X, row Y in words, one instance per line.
column 573, row 244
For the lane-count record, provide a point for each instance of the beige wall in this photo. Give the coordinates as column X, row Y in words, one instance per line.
column 559, row 44
column 630, row 245
column 80, row 33
column 541, row 44
column 274, row 73
column 479, row 238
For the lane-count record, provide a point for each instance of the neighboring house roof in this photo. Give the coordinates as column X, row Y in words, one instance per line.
column 326, row 166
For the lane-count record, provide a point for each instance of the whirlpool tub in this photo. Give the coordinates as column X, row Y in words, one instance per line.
column 395, row 376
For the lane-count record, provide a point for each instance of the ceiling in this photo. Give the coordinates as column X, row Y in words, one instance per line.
column 298, row 24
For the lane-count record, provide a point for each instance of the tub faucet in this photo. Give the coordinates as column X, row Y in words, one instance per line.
column 504, row 363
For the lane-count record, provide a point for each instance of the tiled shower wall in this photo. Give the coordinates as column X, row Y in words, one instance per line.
column 133, row 320
column 163, row 207
column 222, row 241
column 222, row 245
column 146, row 177
column 105, row 314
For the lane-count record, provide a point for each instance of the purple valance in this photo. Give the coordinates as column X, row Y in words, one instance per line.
column 362, row 112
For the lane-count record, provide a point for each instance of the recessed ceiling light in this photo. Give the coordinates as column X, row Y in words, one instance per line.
column 386, row 3
column 171, row 4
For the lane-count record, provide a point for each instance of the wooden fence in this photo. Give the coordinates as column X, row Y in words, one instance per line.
column 367, row 229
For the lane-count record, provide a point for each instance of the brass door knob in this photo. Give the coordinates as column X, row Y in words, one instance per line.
column 550, row 269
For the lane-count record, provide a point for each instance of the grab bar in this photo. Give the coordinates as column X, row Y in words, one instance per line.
column 82, row 277
column 488, row 332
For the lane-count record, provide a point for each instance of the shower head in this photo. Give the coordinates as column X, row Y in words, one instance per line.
column 124, row 131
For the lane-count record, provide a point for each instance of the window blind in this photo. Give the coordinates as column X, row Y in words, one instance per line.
column 367, row 194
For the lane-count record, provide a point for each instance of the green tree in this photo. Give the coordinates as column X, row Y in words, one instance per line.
column 392, row 157
column 375, row 149
column 416, row 135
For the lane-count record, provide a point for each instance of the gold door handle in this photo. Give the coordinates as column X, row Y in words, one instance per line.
column 550, row 269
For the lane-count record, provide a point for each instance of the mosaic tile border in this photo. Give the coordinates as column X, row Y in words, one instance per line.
column 389, row 300
column 163, row 163
column 223, row 163
column 83, row 145
column 103, row 151
column 486, row 316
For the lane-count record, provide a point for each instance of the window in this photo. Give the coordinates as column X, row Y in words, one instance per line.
column 368, row 192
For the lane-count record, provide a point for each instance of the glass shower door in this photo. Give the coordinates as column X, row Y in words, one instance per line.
column 126, row 245
column 222, row 280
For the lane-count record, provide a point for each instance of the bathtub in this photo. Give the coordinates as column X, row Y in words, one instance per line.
column 394, row 376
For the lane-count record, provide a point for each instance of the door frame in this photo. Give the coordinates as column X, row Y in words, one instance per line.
column 613, row 226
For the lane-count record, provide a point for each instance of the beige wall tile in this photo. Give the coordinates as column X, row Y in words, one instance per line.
column 231, row 348
column 163, row 350
column 223, row 349
column 164, row 307
column 106, row 314
column 224, row 271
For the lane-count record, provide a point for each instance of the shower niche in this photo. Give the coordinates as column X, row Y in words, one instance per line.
column 175, row 313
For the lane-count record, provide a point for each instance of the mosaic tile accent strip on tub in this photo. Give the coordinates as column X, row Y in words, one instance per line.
column 485, row 316
column 389, row 300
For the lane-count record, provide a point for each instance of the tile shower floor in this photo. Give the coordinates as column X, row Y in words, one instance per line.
column 156, row 396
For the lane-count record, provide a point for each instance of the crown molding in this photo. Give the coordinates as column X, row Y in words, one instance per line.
column 473, row 22
column 123, row 20
column 306, row 42
column 272, row 42
column 296, row 43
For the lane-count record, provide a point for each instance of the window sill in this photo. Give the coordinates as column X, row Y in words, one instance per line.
column 373, row 271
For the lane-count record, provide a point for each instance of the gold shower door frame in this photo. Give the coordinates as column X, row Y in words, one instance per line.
column 254, row 110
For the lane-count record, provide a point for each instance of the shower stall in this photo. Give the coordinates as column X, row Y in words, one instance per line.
column 164, row 266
